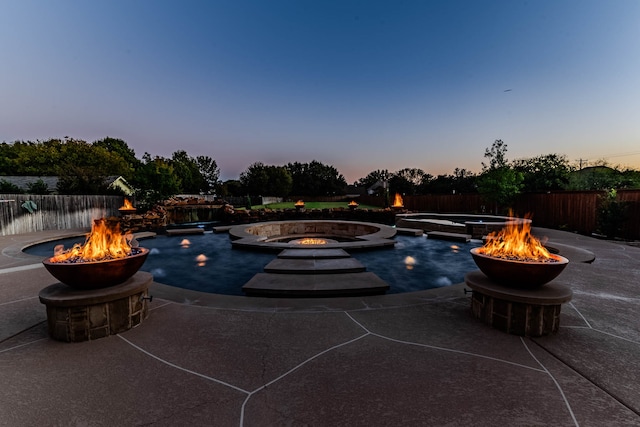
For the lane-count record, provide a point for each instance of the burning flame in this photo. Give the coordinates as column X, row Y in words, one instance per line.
column 398, row 202
column 353, row 203
column 127, row 204
column 299, row 203
column 515, row 242
column 104, row 242
column 311, row 241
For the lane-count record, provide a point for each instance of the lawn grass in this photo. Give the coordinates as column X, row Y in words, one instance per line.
column 311, row 205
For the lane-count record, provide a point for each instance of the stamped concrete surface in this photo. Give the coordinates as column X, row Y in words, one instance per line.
column 404, row 359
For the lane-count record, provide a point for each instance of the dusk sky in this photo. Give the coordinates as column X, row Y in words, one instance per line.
column 360, row 85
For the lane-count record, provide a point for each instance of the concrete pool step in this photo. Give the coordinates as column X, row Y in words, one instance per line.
column 184, row 231
column 311, row 266
column 313, row 253
column 409, row 231
column 453, row 237
column 309, row 285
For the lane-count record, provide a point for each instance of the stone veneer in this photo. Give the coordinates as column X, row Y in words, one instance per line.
column 269, row 235
column 81, row 315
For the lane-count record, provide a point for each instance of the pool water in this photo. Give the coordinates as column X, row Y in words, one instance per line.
column 415, row 263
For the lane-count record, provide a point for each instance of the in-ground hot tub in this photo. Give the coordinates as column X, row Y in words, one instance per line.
column 279, row 235
column 476, row 226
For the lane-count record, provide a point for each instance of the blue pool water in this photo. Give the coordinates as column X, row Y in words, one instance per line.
column 415, row 263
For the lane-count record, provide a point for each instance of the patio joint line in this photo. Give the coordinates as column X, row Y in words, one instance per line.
column 295, row 368
column 22, row 345
column 566, row 402
column 451, row 350
column 17, row 300
column 20, row 268
column 173, row 365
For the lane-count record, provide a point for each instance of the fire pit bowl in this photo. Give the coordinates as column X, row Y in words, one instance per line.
column 97, row 274
column 519, row 274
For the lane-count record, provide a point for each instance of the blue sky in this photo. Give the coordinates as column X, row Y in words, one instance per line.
column 360, row 85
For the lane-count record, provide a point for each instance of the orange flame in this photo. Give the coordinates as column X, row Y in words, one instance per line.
column 515, row 242
column 104, row 242
column 398, row 202
column 353, row 203
column 127, row 204
column 311, row 241
column 299, row 203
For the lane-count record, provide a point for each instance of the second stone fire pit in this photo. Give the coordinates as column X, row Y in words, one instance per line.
column 512, row 291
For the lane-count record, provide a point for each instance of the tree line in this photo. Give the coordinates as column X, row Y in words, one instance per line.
column 82, row 168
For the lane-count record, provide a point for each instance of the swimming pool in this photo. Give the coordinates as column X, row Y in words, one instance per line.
column 208, row 263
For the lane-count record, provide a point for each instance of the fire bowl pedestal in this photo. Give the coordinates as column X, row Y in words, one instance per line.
column 80, row 315
column 518, row 311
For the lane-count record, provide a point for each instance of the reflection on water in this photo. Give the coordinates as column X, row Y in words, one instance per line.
column 416, row 263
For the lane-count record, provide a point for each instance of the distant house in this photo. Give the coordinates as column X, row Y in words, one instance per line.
column 118, row 182
column 22, row 182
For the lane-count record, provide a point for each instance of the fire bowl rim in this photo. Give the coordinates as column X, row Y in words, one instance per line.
column 515, row 273
column 75, row 274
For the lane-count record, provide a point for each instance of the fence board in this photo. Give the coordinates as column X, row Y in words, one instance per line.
column 53, row 212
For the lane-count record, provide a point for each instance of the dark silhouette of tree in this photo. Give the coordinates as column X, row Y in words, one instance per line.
column 499, row 183
column 315, row 179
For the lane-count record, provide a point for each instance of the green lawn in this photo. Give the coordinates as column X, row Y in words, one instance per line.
column 311, row 205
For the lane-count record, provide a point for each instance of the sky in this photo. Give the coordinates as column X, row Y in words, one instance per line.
column 358, row 85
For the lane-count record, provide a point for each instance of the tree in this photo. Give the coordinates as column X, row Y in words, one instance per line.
column 407, row 181
column 544, row 173
column 460, row 182
column 119, row 147
column 315, row 179
column 155, row 181
column 84, row 168
column 255, row 179
column 209, row 171
column 499, row 183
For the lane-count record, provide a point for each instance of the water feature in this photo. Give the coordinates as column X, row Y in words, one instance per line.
column 415, row 263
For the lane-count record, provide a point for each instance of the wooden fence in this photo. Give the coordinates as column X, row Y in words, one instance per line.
column 25, row 213
column 572, row 210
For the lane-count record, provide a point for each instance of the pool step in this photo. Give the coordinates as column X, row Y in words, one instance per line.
column 183, row 231
column 409, row 231
column 314, row 266
column 309, row 285
column 453, row 237
column 314, row 273
column 313, row 253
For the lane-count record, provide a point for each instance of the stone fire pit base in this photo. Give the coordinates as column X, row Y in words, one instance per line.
column 80, row 315
column 529, row 312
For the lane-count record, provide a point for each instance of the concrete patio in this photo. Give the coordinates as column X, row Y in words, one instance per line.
column 403, row 359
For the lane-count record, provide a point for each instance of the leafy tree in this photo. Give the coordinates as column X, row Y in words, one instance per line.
column 209, row 171
column 407, row 181
column 612, row 214
column 83, row 168
column 255, row 179
column 231, row 187
column 315, row 179
column 461, row 181
column 543, row 173
column 499, row 183
column 120, row 147
column 155, row 181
